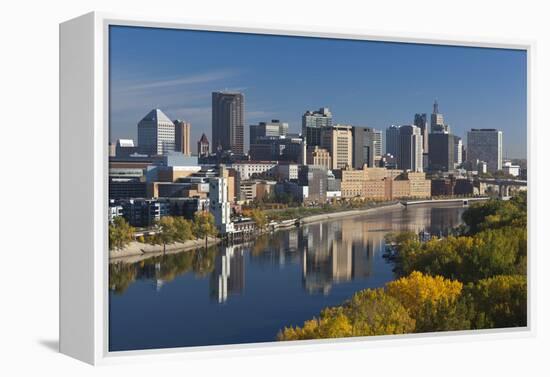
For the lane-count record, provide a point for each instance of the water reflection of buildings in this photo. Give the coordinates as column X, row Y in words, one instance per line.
column 336, row 252
column 228, row 275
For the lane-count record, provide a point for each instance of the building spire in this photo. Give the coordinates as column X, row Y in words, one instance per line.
column 436, row 107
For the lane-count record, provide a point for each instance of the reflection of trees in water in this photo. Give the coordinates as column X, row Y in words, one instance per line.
column 161, row 268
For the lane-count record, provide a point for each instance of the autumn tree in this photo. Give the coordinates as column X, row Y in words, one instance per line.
column 204, row 225
column 183, row 229
column 424, row 296
column 369, row 312
column 120, row 233
column 166, row 231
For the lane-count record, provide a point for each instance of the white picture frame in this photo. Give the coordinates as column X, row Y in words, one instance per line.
column 84, row 105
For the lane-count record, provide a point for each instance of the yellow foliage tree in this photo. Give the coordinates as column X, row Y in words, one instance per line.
column 425, row 297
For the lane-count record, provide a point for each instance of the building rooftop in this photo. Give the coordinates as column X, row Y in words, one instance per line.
column 156, row 115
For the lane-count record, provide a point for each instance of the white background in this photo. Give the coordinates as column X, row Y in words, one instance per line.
column 29, row 185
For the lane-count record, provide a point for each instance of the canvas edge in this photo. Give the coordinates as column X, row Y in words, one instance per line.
column 101, row 354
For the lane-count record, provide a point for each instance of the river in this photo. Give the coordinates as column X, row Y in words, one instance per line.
column 246, row 293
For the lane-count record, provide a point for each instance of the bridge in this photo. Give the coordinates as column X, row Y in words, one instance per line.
column 464, row 201
column 503, row 184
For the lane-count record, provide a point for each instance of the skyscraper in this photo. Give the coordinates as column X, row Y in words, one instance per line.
column 421, row 121
column 228, row 121
column 263, row 129
column 458, row 151
column 392, row 141
column 156, row 134
column 220, row 205
column 312, row 124
column 437, row 123
column 367, row 147
column 183, row 136
column 410, row 148
column 485, row 144
column 442, row 152
column 338, row 140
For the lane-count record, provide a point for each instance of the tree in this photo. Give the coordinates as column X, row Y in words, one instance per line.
column 369, row 312
column 258, row 216
column 424, row 296
column 166, row 231
column 499, row 301
column 183, row 229
column 120, row 233
column 204, row 225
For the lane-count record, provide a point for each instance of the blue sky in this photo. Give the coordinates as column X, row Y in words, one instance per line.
column 364, row 83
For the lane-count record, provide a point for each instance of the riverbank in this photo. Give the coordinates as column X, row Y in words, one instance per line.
column 348, row 213
column 137, row 251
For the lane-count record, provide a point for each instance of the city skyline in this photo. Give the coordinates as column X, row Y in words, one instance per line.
column 373, row 84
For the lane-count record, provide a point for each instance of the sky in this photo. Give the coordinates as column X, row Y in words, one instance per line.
column 364, row 83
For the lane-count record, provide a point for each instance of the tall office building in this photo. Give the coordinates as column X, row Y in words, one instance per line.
column 228, row 122
column 156, row 134
column 458, row 151
column 392, row 141
column 183, row 136
column 263, row 129
column 421, row 121
column 220, row 205
column 338, row 140
column 485, row 144
column 312, row 124
column 442, row 152
column 367, row 147
column 203, row 146
column 437, row 122
column 410, row 148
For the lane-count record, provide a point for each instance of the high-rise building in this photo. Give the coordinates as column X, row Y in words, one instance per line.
column 338, row 140
column 312, row 124
column 156, row 134
column 392, row 141
column 442, row 152
column 220, row 206
column 410, row 148
column 437, row 122
column 273, row 128
column 228, row 122
column 183, row 137
column 367, row 147
column 458, row 151
column 421, row 121
column 203, row 146
column 485, row 144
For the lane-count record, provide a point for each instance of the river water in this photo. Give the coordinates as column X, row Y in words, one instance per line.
column 246, row 293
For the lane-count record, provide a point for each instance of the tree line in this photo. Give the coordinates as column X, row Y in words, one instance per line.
column 476, row 280
column 168, row 229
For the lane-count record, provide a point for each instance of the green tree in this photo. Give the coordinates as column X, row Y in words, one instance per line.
column 204, row 226
column 120, row 233
column 183, row 229
column 166, row 231
column 499, row 301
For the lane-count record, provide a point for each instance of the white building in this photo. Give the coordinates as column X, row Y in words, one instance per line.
column 410, row 149
column 511, row 169
column 156, row 134
column 248, row 169
column 220, row 205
